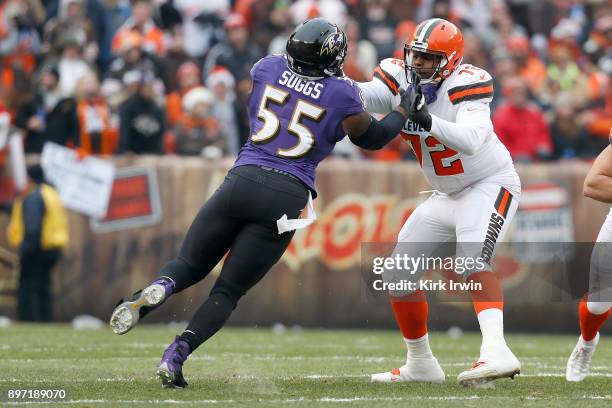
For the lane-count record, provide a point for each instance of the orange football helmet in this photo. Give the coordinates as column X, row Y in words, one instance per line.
column 441, row 38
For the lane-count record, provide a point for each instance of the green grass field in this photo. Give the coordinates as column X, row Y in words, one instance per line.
column 305, row 368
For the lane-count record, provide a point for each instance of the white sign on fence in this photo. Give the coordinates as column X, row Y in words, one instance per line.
column 84, row 184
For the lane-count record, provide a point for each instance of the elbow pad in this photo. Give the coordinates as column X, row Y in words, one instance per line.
column 379, row 133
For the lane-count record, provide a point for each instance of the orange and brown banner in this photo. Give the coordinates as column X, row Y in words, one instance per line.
column 320, row 280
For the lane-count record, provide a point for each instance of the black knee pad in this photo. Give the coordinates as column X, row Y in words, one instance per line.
column 226, row 290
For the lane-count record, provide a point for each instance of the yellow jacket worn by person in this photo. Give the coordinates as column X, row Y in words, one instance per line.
column 45, row 220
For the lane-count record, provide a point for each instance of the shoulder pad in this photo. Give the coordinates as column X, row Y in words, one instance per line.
column 348, row 91
column 470, row 83
column 391, row 72
column 263, row 62
column 344, row 79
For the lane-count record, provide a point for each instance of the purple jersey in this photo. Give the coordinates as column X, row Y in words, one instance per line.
column 295, row 122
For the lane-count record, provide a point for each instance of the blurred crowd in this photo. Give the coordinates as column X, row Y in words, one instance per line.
column 172, row 76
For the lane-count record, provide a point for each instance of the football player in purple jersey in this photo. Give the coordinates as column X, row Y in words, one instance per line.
column 300, row 106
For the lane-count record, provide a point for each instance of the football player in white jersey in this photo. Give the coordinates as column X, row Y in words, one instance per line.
column 594, row 308
column 476, row 190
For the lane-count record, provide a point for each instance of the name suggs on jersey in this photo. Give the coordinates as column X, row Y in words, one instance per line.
column 299, row 84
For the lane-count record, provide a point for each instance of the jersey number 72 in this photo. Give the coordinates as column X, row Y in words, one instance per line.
column 451, row 168
column 271, row 126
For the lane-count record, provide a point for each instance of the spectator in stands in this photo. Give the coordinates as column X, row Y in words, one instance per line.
column 95, row 14
column 236, row 53
column 96, row 134
column 474, row 52
column 377, row 26
column 361, row 57
column 503, row 26
column 71, row 22
column 142, row 121
column 504, row 67
column 141, row 22
column 39, row 229
column 20, row 44
column 117, row 12
column 597, row 67
column 476, row 14
column 175, row 57
column 71, row 65
column 202, row 24
column 198, row 132
column 221, row 83
column 243, row 90
column 279, row 21
column 598, row 118
column 266, row 19
column 188, row 76
column 403, row 34
column 433, row 8
column 570, row 139
column 520, row 124
column 132, row 58
column 49, row 116
column 564, row 75
column 530, row 68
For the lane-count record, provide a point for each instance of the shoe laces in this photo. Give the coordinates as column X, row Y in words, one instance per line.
column 582, row 360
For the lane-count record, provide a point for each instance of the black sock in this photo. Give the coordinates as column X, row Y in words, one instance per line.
column 208, row 319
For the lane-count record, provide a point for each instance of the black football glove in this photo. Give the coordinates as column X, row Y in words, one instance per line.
column 414, row 103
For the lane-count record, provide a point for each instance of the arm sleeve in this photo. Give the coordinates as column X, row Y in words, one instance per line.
column 33, row 211
column 470, row 129
column 379, row 133
column 378, row 98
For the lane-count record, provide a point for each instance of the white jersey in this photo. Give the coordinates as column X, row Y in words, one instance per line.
column 461, row 148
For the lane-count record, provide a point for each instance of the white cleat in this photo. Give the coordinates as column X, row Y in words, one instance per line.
column 127, row 314
column 491, row 365
column 415, row 370
column 580, row 359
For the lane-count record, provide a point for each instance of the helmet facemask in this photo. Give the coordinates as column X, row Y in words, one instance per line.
column 428, row 75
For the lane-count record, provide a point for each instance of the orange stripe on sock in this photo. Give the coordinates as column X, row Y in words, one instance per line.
column 504, row 203
column 491, row 296
column 411, row 314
